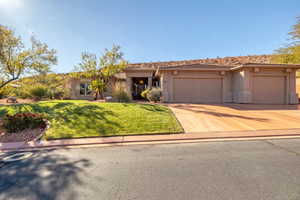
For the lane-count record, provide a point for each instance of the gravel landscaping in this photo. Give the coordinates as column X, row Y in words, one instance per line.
column 23, row 136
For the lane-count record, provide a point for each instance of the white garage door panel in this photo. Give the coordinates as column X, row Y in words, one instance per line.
column 269, row 90
column 198, row 90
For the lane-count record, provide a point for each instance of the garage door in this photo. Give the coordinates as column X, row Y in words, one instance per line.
column 197, row 90
column 269, row 90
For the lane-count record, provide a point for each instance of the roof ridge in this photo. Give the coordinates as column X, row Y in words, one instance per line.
column 228, row 60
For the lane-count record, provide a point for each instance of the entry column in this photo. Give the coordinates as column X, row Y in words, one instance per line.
column 149, row 82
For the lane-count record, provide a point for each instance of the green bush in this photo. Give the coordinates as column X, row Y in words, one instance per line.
column 59, row 93
column 22, row 93
column 39, row 92
column 121, row 96
column 22, row 121
column 154, row 94
column 145, row 93
column 5, row 92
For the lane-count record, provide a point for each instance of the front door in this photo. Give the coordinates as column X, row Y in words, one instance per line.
column 138, row 86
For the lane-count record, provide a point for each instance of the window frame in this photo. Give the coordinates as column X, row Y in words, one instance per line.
column 86, row 89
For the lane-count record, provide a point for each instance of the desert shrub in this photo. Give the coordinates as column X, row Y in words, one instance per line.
column 7, row 91
column 4, row 92
column 66, row 93
column 22, row 121
column 154, row 94
column 22, row 92
column 121, row 95
column 59, row 93
column 144, row 94
column 38, row 92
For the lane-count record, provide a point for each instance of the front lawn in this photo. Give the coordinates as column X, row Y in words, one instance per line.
column 75, row 119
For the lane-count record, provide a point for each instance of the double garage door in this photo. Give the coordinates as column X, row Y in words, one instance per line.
column 197, row 90
column 265, row 90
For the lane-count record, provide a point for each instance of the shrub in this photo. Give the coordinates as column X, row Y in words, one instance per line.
column 58, row 93
column 3, row 94
column 154, row 94
column 22, row 93
column 144, row 94
column 121, row 95
column 5, row 91
column 66, row 93
column 38, row 92
column 21, row 121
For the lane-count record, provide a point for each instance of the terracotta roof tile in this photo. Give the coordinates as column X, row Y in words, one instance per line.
column 225, row 61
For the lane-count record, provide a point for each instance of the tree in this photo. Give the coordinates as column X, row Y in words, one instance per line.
column 16, row 61
column 290, row 54
column 101, row 71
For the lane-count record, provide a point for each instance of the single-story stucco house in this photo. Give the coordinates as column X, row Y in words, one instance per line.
column 242, row 79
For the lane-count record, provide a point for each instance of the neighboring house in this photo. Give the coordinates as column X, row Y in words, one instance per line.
column 242, row 79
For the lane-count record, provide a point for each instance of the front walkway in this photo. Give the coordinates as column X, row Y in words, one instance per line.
column 236, row 117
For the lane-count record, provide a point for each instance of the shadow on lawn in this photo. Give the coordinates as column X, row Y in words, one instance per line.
column 70, row 118
column 148, row 107
column 43, row 176
column 89, row 117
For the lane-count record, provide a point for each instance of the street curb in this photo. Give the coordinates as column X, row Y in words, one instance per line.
column 152, row 139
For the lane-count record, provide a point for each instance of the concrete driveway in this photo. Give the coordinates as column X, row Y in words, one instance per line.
column 236, row 117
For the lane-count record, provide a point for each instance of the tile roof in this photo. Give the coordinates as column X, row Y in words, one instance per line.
column 225, row 61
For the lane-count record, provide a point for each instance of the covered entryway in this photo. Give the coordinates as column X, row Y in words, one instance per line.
column 269, row 90
column 139, row 84
column 197, row 90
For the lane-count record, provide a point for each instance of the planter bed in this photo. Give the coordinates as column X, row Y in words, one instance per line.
column 26, row 135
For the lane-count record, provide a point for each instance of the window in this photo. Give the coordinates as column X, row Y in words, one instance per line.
column 85, row 89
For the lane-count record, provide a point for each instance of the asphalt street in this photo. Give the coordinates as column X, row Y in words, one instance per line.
column 244, row 170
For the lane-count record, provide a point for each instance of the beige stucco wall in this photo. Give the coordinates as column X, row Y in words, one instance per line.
column 168, row 77
column 74, row 86
column 237, row 82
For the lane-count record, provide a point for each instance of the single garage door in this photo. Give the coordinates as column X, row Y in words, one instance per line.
column 192, row 90
column 269, row 90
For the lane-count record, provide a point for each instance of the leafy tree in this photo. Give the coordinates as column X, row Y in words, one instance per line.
column 100, row 71
column 290, row 54
column 16, row 61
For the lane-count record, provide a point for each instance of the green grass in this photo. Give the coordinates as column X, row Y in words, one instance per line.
column 76, row 119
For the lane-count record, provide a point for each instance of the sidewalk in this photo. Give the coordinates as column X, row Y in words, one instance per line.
column 152, row 139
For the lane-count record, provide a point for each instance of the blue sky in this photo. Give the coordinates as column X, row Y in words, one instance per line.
column 156, row 30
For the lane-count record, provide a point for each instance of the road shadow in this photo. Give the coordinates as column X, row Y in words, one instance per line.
column 43, row 176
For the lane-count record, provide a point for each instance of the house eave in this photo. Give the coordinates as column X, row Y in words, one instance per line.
column 258, row 65
column 139, row 69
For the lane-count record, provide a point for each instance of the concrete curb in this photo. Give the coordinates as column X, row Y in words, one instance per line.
column 152, row 139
